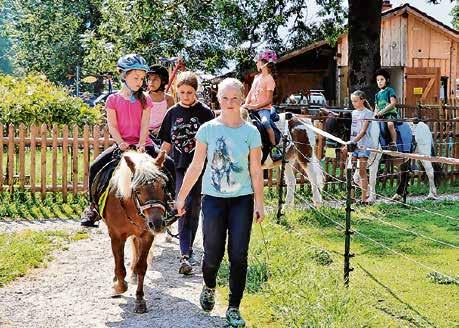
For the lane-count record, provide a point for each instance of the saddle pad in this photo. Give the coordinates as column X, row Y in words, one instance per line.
column 102, row 180
column 103, row 201
column 404, row 137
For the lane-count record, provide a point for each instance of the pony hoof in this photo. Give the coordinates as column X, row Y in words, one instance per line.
column 397, row 197
column 118, row 289
column 140, row 306
column 133, row 279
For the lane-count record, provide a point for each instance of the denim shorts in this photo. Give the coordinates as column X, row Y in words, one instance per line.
column 265, row 117
column 361, row 153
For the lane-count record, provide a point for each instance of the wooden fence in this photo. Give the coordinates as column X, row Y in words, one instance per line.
column 56, row 159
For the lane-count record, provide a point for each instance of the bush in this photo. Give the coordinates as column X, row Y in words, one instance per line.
column 35, row 100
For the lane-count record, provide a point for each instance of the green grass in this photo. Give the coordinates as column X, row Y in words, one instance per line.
column 295, row 280
column 22, row 206
column 22, row 251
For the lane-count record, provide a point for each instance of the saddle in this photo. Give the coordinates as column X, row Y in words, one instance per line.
column 405, row 137
column 266, row 144
column 99, row 188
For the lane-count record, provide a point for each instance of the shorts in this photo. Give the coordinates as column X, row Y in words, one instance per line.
column 361, row 153
column 265, row 117
column 390, row 116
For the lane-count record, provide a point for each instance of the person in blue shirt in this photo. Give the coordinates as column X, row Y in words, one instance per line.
column 232, row 188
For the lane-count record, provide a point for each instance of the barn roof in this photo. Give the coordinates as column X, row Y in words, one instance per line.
column 407, row 8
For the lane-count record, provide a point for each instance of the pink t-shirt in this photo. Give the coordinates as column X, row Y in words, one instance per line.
column 158, row 112
column 260, row 87
column 128, row 116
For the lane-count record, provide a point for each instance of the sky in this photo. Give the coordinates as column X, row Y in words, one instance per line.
column 440, row 12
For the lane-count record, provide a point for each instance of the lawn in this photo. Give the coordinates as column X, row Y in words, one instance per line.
column 296, row 269
column 22, row 251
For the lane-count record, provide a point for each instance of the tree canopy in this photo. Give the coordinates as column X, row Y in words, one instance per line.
column 53, row 36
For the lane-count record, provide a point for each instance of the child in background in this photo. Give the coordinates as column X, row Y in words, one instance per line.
column 177, row 132
column 385, row 105
column 360, row 134
column 157, row 79
column 260, row 96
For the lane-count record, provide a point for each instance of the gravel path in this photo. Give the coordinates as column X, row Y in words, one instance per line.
column 74, row 290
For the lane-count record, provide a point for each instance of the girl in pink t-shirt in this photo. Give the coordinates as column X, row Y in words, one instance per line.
column 260, row 96
column 128, row 118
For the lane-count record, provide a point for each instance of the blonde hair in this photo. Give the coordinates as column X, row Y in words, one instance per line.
column 187, row 78
column 362, row 96
column 230, row 83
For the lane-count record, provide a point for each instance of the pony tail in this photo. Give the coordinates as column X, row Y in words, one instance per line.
column 273, row 72
column 367, row 104
column 139, row 95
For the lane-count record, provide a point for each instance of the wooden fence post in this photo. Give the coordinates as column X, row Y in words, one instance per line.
column 43, row 135
column 33, row 150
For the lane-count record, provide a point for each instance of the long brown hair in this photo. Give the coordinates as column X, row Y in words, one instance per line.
column 139, row 95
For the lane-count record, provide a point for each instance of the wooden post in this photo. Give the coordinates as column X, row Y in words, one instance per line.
column 85, row 158
column 33, row 150
column 106, row 138
column 11, row 157
column 22, row 129
column 44, row 134
column 75, row 160
column 281, row 179
column 96, row 137
column 65, row 149
column 54, row 164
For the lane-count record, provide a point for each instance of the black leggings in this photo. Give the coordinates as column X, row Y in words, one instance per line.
column 222, row 217
column 106, row 156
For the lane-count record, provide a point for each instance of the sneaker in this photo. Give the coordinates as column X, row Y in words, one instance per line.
column 89, row 217
column 276, row 154
column 392, row 146
column 207, row 298
column 193, row 260
column 233, row 317
column 185, row 266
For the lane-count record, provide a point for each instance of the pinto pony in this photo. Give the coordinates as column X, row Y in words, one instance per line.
column 136, row 208
column 299, row 153
column 339, row 125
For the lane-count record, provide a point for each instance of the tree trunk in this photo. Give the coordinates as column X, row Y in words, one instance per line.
column 364, row 50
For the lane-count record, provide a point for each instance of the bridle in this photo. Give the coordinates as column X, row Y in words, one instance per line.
column 168, row 215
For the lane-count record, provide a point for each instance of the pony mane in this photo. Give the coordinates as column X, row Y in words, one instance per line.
column 124, row 181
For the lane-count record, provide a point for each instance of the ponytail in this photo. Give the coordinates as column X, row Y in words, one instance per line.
column 140, row 96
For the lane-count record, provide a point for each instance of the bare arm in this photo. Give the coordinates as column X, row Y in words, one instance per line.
column 362, row 132
column 256, row 175
column 268, row 101
column 392, row 104
column 112, row 123
column 170, row 101
column 167, row 147
column 191, row 176
column 144, row 126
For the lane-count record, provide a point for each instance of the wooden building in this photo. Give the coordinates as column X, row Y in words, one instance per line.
column 419, row 51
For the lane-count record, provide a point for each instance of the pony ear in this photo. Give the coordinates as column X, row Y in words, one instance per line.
column 160, row 159
column 130, row 163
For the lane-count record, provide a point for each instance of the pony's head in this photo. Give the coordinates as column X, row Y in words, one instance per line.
column 339, row 125
column 139, row 182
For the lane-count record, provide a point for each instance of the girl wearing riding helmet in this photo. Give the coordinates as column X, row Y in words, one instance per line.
column 177, row 132
column 157, row 79
column 232, row 194
column 260, row 96
column 128, row 116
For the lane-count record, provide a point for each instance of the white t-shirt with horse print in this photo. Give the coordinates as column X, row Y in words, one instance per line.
column 227, row 169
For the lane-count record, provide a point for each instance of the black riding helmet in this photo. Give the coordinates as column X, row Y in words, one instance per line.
column 163, row 74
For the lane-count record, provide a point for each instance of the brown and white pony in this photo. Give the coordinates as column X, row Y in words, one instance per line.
column 300, row 153
column 135, row 208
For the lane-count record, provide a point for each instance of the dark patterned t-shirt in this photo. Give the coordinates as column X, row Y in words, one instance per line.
column 179, row 128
